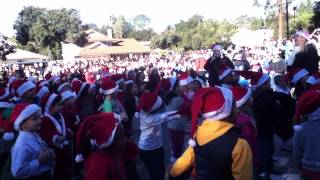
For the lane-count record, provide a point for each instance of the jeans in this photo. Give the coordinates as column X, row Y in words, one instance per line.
column 154, row 162
column 265, row 153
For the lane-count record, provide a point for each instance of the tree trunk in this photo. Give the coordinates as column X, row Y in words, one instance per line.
column 280, row 19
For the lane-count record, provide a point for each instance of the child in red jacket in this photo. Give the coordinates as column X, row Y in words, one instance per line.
column 111, row 152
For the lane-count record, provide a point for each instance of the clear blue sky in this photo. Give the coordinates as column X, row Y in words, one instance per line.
column 162, row 13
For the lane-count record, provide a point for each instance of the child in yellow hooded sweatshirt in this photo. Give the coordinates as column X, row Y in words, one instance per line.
column 217, row 151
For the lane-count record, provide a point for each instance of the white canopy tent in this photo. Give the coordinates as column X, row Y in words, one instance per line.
column 25, row 57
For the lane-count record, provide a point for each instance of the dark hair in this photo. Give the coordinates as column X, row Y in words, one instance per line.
column 168, row 97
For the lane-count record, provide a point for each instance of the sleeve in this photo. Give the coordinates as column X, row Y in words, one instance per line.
column 297, row 144
column 107, row 106
column 93, row 170
column 22, row 166
column 242, row 161
column 184, row 163
column 208, row 64
column 49, row 133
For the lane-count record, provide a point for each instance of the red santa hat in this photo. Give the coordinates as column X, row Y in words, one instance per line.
column 22, row 112
column 42, row 83
column 108, row 87
column 257, row 79
column 200, row 81
column 4, row 93
column 66, row 95
column 22, row 86
column 241, row 94
column 308, row 103
column 118, row 78
column 47, row 101
column 100, row 129
column 11, row 80
column 297, row 73
column 41, row 91
column 59, row 89
column 185, row 79
column 166, row 85
column 314, row 79
column 214, row 103
column 149, row 102
column 223, row 72
column 48, row 76
column 78, row 86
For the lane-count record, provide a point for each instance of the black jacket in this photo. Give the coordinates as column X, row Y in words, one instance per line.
column 265, row 111
column 307, row 59
column 212, row 66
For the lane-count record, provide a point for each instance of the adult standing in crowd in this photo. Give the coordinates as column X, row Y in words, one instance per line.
column 213, row 64
column 304, row 54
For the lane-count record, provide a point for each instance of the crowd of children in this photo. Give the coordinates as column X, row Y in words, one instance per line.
column 61, row 128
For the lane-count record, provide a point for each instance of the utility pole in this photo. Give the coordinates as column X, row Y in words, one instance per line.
column 287, row 18
column 280, row 19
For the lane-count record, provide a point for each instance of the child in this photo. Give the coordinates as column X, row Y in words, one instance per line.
column 150, row 142
column 31, row 157
column 111, row 104
column 111, row 150
column 244, row 119
column 306, row 148
column 56, row 133
column 287, row 107
column 216, row 150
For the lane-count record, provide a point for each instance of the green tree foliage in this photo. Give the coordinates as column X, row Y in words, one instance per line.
column 141, row 22
column 121, row 27
column 142, row 35
column 42, row 30
column 304, row 15
column 195, row 33
column 316, row 16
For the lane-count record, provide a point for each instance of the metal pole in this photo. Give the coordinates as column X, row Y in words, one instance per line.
column 287, row 18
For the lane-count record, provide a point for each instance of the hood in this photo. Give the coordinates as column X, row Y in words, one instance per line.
column 210, row 130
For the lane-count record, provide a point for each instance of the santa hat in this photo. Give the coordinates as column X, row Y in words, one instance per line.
column 303, row 34
column 42, row 83
column 41, row 91
column 4, row 104
column 22, row 86
column 224, row 71
column 4, row 93
column 149, row 102
column 47, row 101
column 78, row 86
column 32, row 79
column 241, row 94
column 100, row 129
column 11, row 80
column 184, row 79
column 21, row 112
column 48, row 76
column 66, row 95
column 214, row 103
column 59, row 89
column 200, row 81
column 166, row 85
column 118, row 78
column 314, row 79
column 257, row 79
column 108, row 87
column 296, row 74
column 308, row 103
